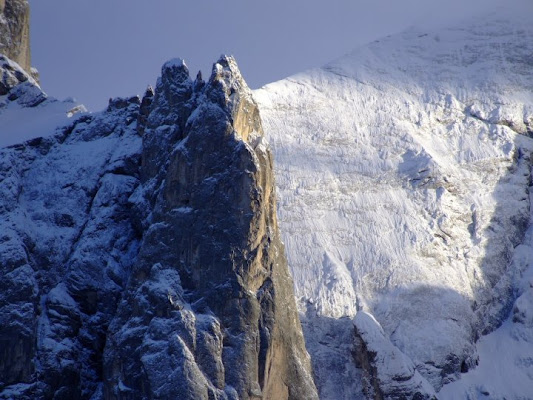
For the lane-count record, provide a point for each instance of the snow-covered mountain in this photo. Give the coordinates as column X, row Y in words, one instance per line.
column 26, row 112
column 140, row 255
column 403, row 172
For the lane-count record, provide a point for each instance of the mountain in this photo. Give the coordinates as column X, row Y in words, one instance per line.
column 404, row 177
column 139, row 251
column 209, row 310
column 26, row 111
column 142, row 258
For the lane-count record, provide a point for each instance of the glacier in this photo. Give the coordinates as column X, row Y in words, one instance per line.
column 403, row 172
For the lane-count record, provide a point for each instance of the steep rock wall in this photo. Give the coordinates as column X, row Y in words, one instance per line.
column 210, row 290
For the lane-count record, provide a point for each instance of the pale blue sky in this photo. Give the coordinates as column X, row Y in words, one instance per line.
column 96, row 49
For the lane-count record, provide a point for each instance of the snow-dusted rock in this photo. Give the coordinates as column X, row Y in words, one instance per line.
column 67, row 241
column 523, row 309
column 140, row 255
column 66, row 249
column 11, row 74
column 26, row 112
column 388, row 373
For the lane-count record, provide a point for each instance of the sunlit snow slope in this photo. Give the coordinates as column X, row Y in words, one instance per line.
column 403, row 171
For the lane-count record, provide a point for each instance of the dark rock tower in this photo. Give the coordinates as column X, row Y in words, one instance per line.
column 209, row 312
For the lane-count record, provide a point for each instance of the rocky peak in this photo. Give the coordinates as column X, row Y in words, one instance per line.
column 175, row 83
column 228, row 88
column 11, row 75
column 210, row 290
column 15, row 32
column 158, row 269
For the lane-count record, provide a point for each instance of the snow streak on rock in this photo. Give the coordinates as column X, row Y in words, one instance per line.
column 388, row 373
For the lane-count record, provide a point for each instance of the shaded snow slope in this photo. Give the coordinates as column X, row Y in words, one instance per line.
column 26, row 112
column 403, row 173
column 506, row 355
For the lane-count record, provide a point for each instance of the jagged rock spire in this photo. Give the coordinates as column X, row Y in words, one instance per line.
column 164, row 275
column 210, row 298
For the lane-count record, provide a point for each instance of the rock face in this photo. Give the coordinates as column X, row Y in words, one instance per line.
column 146, row 267
column 15, row 31
column 11, row 75
column 142, row 268
column 209, row 311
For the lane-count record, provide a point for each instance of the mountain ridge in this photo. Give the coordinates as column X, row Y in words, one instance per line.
column 403, row 172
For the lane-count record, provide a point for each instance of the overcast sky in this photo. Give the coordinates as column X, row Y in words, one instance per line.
column 96, row 49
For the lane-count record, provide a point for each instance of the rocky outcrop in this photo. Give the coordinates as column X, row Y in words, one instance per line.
column 15, row 32
column 209, row 311
column 140, row 254
column 388, row 373
column 19, row 85
column 522, row 315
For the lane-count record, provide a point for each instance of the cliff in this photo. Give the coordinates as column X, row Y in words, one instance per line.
column 209, row 311
column 15, row 32
column 141, row 256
